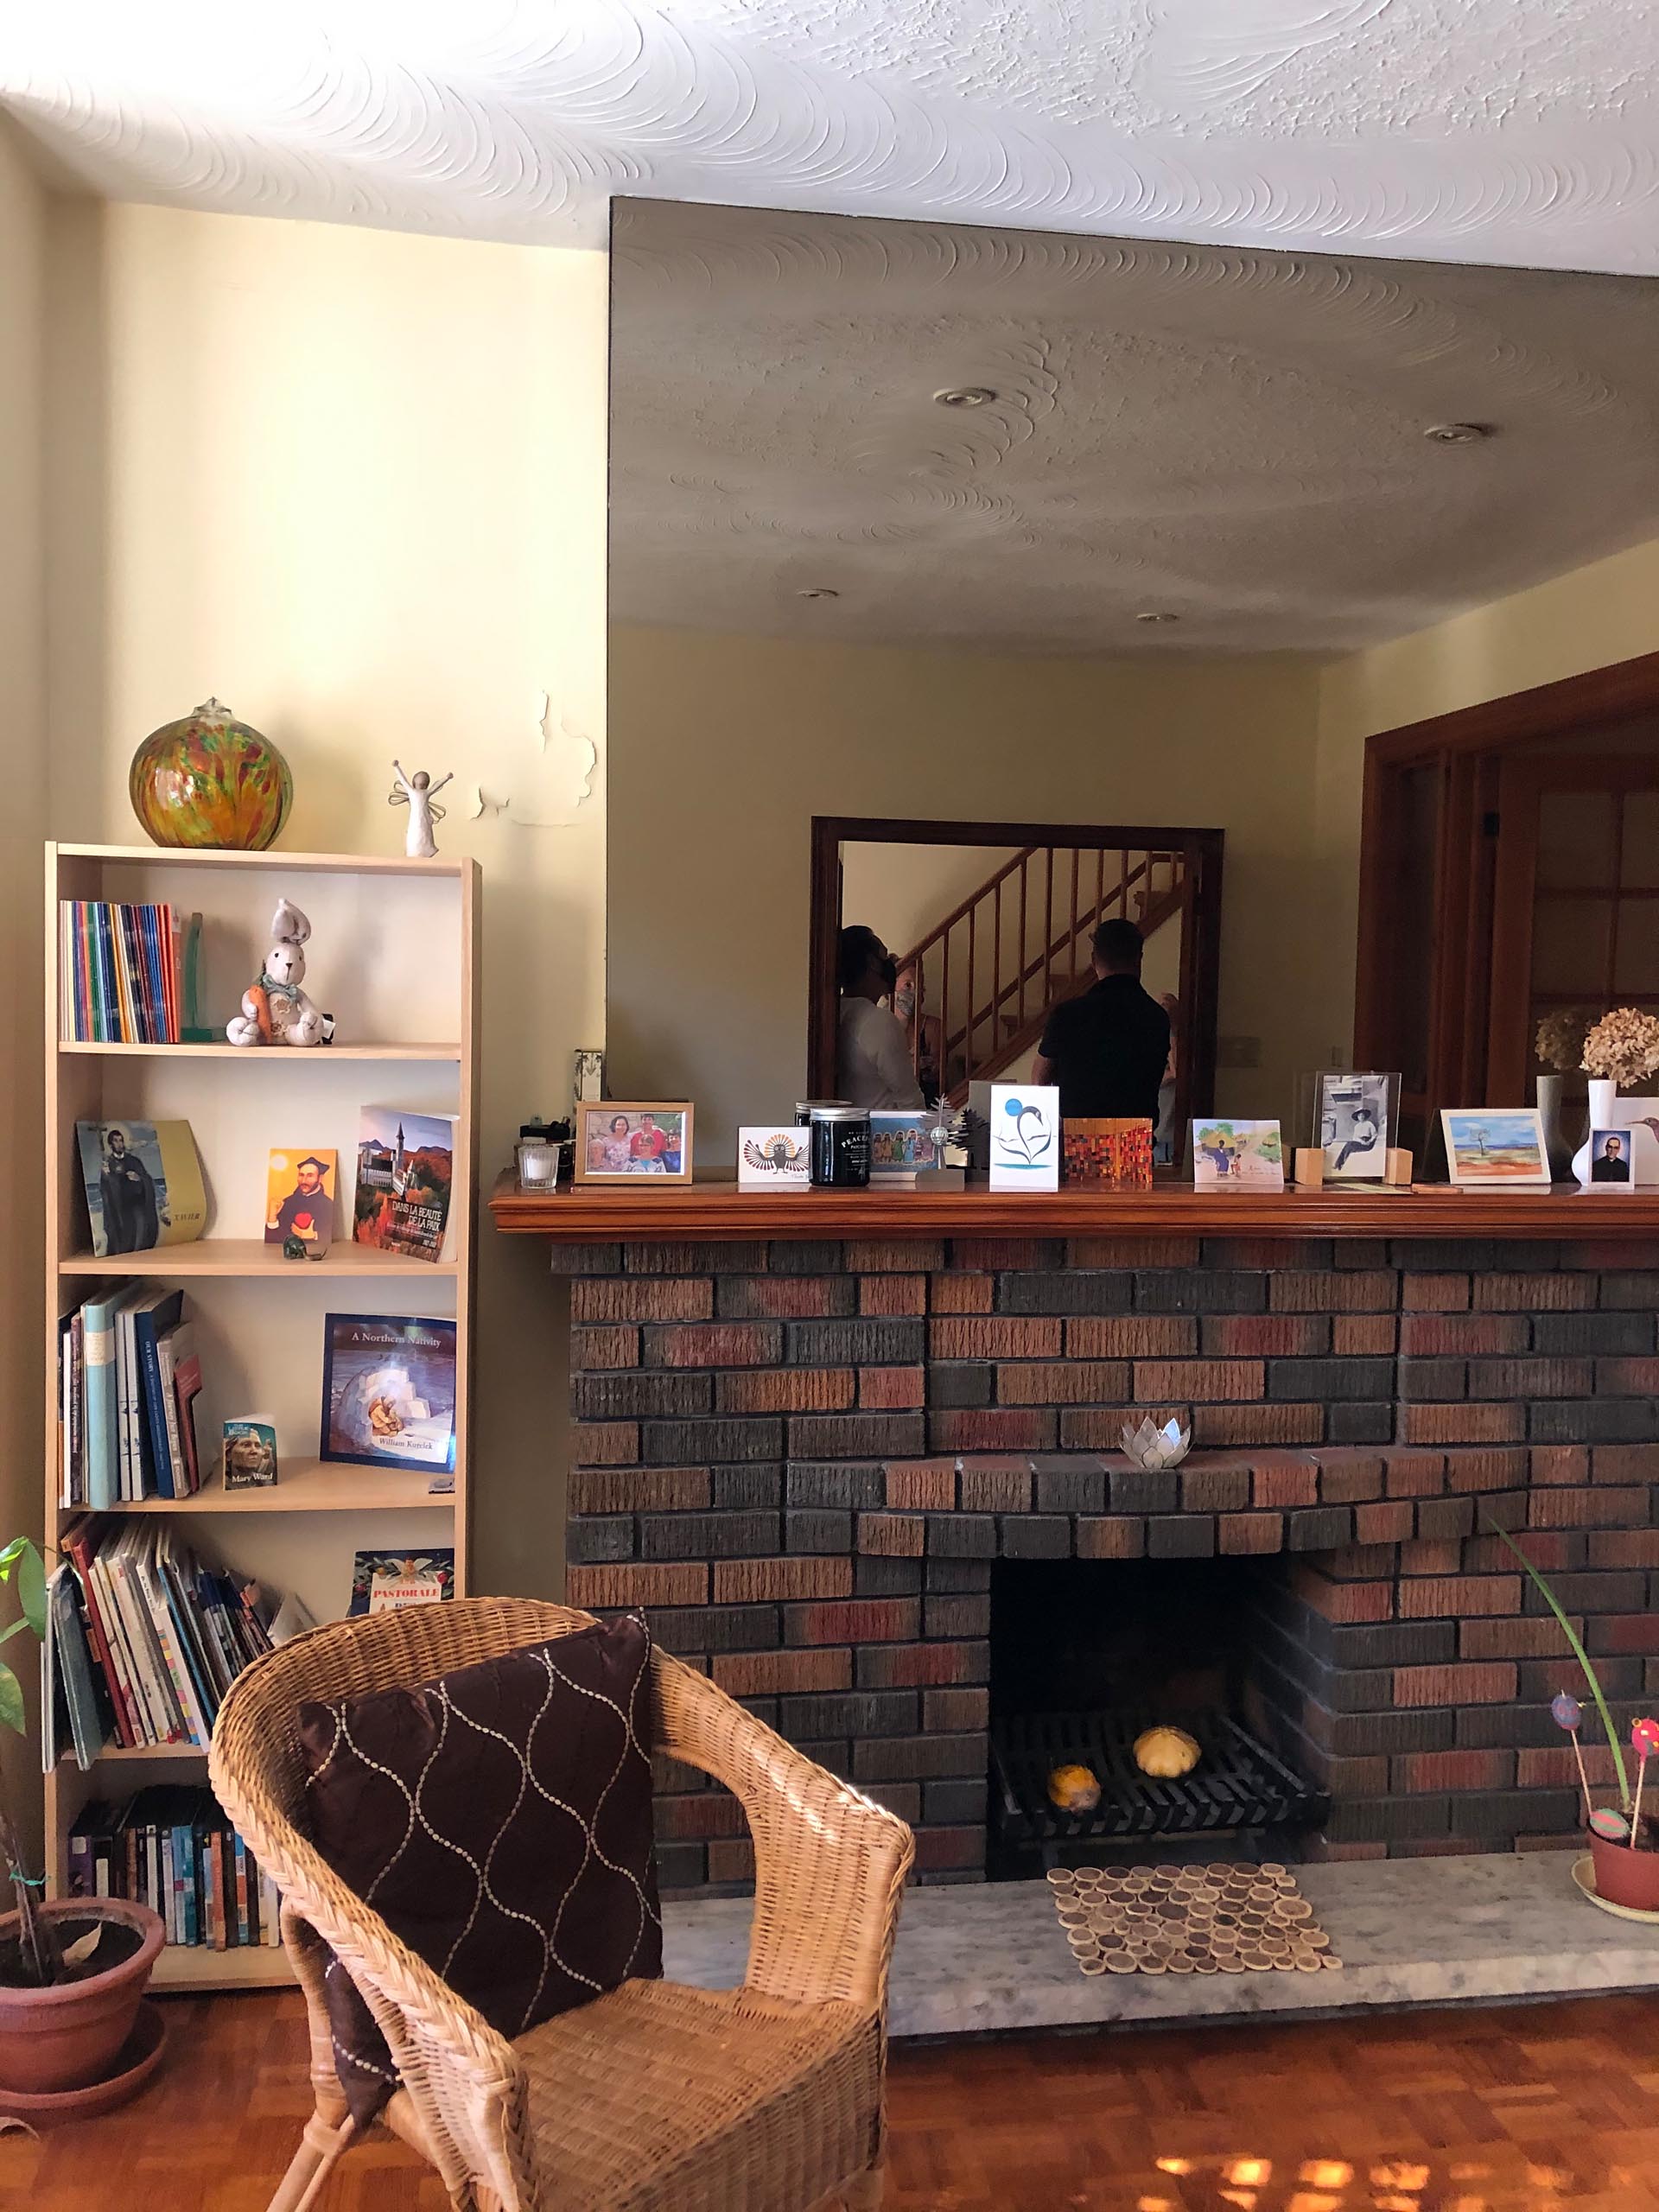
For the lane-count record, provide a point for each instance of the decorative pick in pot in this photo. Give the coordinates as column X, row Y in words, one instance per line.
column 1645, row 1741
column 1612, row 1826
column 1567, row 1712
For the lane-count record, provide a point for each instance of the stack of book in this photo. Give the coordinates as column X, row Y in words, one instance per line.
column 120, row 967
column 142, row 1639
column 128, row 1376
column 172, row 1848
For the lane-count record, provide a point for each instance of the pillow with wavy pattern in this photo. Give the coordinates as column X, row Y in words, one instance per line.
column 498, row 1820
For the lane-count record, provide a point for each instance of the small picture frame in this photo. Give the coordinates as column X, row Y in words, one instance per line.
column 633, row 1141
column 1612, row 1160
column 1495, row 1148
column 774, row 1158
column 1229, row 1154
column 1357, row 1115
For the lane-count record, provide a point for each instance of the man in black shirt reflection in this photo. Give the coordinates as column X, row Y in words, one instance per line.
column 1108, row 1048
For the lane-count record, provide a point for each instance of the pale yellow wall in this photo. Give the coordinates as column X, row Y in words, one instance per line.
column 722, row 749
column 1585, row 620
column 22, row 825
column 354, row 483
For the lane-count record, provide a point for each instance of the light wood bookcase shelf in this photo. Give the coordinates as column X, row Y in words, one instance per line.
column 395, row 945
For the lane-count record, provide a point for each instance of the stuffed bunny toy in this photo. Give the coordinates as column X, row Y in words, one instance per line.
column 276, row 1010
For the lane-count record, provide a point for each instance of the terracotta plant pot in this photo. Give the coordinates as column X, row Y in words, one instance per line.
column 1626, row 1876
column 69, row 2038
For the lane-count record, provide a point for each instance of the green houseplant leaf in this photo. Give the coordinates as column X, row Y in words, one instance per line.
column 1579, row 1653
column 12, row 1700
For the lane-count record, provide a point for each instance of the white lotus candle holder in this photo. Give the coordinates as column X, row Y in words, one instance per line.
column 1152, row 1447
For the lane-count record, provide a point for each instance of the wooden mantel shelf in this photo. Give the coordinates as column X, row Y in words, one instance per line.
column 715, row 1209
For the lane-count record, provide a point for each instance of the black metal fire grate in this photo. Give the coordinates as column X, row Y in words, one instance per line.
column 1237, row 1783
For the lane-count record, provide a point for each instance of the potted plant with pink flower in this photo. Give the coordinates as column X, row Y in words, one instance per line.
column 1623, row 1845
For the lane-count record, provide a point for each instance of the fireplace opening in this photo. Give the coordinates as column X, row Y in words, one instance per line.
column 1086, row 1655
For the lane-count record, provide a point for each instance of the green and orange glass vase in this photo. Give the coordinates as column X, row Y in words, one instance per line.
column 210, row 780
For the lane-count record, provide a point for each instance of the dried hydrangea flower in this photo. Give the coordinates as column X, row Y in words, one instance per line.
column 1622, row 1047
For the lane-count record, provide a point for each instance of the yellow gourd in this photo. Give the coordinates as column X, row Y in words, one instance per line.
column 1073, row 1788
column 1165, row 1752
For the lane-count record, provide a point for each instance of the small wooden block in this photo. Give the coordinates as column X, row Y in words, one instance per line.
column 1310, row 1165
column 1397, row 1169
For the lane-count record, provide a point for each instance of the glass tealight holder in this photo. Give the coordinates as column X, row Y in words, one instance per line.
column 538, row 1161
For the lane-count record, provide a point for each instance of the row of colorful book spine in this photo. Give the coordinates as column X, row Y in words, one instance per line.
column 144, row 1639
column 120, row 965
column 171, row 1847
column 129, row 1375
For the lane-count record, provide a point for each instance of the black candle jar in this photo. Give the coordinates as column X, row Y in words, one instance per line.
column 841, row 1147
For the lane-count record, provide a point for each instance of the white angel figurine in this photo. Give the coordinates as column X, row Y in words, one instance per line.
column 419, row 794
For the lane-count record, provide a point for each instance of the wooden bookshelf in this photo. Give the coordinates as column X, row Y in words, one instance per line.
column 394, row 947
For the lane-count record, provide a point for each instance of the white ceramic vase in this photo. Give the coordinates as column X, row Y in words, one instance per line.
column 1602, row 1096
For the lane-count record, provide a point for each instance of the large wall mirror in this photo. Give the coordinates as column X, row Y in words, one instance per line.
column 1045, row 537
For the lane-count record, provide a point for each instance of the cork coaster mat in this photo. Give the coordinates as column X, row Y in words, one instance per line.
column 1188, row 1920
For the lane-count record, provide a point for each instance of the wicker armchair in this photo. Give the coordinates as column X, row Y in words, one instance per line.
column 654, row 2098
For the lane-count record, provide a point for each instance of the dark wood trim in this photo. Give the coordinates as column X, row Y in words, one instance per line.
column 719, row 1211
column 1469, row 972
column 1200, row 972
column 1601, row 695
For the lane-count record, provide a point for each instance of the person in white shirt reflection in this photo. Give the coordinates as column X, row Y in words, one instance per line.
column 874, row 1063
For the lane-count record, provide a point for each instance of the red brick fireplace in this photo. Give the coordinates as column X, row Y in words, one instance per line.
column 804, row 1459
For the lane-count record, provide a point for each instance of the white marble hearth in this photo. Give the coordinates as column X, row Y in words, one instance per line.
column 991, row 1957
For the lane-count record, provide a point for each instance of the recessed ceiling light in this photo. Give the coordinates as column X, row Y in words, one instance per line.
column 1458, row 434
column 964, row 395
column 817, row 591
column 1158, row 614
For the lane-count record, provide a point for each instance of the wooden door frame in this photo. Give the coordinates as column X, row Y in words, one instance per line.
column 1201, row 853
column 1467, row 746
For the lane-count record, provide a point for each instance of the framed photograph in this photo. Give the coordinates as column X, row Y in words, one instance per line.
column 1613, row 1166
column 1357, row 1116
column 622, row 1140
column 1495, row 1148
column 1230, row 1155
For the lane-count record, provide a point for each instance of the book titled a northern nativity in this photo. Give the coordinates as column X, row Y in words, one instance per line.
column 388, row 1391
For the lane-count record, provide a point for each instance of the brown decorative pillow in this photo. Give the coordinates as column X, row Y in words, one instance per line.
column 498, row 1820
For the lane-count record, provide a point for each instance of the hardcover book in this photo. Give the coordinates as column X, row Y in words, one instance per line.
column 404, row 1165
column 388, row 1391
column 144, row 1185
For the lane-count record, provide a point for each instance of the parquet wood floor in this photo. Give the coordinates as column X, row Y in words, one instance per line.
column 1531, row 2109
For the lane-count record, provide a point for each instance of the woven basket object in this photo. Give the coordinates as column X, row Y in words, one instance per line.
column 653, row 2098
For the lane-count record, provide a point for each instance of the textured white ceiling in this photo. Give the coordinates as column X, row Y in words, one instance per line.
column 1234, row 436
column 1518, row 132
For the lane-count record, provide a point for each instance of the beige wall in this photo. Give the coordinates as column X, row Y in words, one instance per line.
column 353, row 482
column 22, row 825
column 1587, row 620
column 722, row 749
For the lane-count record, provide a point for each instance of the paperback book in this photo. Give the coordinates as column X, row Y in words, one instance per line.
column 128, row 1376
column 172, row 1848
column 384, row 1582
column 144, row 1185
column 388, row 1391
column 300, row 1190
column 405, row 1163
